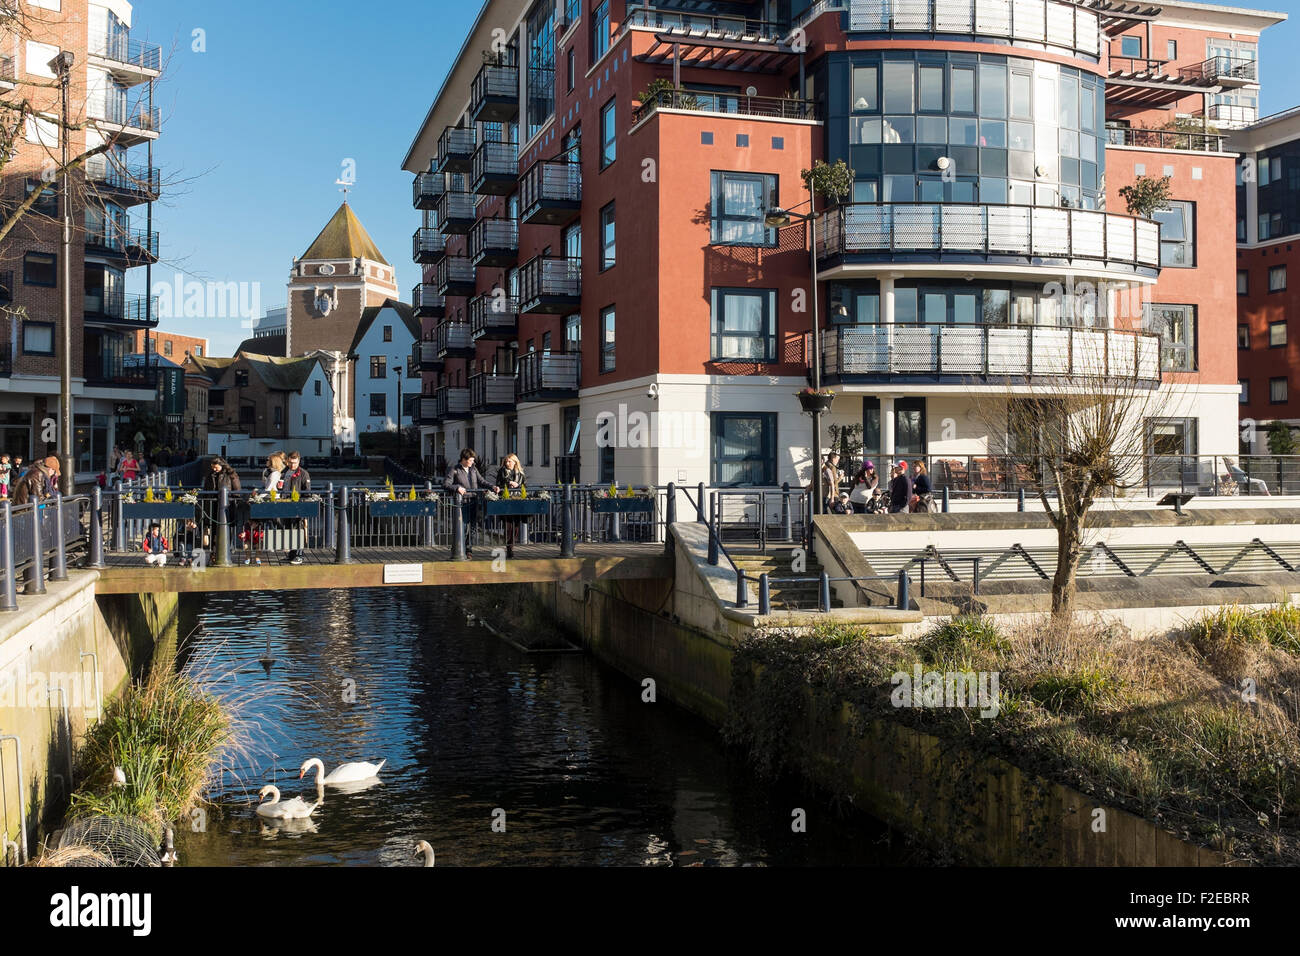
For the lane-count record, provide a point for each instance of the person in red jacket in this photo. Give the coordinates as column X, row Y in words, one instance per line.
column 155, row 546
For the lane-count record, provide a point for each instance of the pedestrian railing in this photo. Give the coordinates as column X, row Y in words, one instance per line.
column 36, row 542
column 902, row 600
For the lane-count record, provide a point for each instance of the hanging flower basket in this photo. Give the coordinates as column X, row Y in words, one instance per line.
column 813, row 401
column 157, row 511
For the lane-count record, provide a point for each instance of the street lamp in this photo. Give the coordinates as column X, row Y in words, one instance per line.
column 399, row 367
column 778, row 218
column 61, row 66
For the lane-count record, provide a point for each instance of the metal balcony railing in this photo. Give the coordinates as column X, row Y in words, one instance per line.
column 780, row 107
column 453, row 338
column 424, row 355
column 427, row 302
column 700, row 26
column 428, row 245
column 137, row 116
column 455, row 149
column 1230, row 113
column 456, row 276
column 491, row 392
column 118, row 307
column 495, row 168
column 550, row 284
column 455, row 212
column 115, row 374
column 1167, row 139
column 1053, row 23
column 1026, row 233
column 494, row 242
column 493, row 316
column 549, row 376
column 427, row 410
column 426, row 188
column 123, row 49
column 143, row 183
column 992, row 353
column 494, row 95
column 451, row 403
column 142, row 245
column 550, row 192
column 1223, row 70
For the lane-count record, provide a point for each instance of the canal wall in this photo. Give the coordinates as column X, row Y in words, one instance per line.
column 682, row 634
column 63, row 655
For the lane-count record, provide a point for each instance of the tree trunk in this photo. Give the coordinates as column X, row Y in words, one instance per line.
column 1069, row 547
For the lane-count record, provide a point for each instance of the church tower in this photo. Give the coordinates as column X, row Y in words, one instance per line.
column 332, row 283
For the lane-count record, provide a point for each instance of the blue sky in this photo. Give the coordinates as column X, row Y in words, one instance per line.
column 256, row 129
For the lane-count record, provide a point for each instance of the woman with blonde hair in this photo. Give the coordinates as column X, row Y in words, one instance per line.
column 275, row 466
column 510, row 478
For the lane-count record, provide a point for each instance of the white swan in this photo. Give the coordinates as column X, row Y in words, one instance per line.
column 293, row 809
column 423, row 848
column 343, row 773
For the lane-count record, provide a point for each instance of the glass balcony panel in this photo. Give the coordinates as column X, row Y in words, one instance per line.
column 1088, row 235
column 1050, row 351
column 954, row 16
column 963, row 227
column 993, row 18
column 916, row 227
column 961, row 350
column 1060, row 25
column 1051, row 232
column 1029, row 20
column 1008, row 351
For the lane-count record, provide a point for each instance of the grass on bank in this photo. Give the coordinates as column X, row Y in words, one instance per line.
column 1199, row 730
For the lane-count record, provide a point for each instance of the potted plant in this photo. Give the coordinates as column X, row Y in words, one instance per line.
column 630, row 501
column 156, row 507
column 517, row 505
column 815, row 399
column 390, row 504
column 271, row 505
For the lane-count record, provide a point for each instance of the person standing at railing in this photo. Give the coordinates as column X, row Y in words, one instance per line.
column 464, row 481
column 900, row 489
column 865, row 484
column 510, row 477
column 221, row 475
column 34, row 486
column 922, row 491
column 831, row 478
column 296, row 478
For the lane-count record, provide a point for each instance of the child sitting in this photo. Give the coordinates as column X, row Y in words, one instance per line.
column 155, row 546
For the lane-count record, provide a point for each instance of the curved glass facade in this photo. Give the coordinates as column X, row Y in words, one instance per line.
column 930, row 126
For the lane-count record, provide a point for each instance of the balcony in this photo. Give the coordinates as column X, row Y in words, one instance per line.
column 136, row 247
column 426, row 188
column 127, row 124
column 494, row 316
column 453, row 340
column 451, row 404
column 1040, row 236
column 985, row 354
column 424, row 356
column 1227, row 114
column 777, row 107
column 455, row 212
column 701, row 25
column 117, row 308
column 550, row 284
column 426, row 410
column 455, row 150
column 1058, row 25
column 427, row 302
column 428, row 245
column 495, row 169
column 6, row 287
column 456, row 276
column 550, row 193
column 494, row 243
column 491, row 394
column 548, row 376
column 494, row 96
column 105, row 373
column 1227, row 72
column 130, row 61
column 125, row 185
column 1165, row 139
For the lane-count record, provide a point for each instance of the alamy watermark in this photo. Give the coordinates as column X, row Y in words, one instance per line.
column 935, row 689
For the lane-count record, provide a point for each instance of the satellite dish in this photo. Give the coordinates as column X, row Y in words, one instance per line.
column 751, row 91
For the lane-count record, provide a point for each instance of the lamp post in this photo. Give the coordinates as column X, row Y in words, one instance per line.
column 399, row 367
column 61, row 66
column 778, row 218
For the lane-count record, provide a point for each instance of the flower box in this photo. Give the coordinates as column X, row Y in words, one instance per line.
column 636, row 505
column 403, row 509
column 264, row 510
column 813, row 402
column 157, row 511
column 518, row 507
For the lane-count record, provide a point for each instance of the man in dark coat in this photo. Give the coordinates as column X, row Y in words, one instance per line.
column 463, row 480
column 900, row 490
column 38, row 483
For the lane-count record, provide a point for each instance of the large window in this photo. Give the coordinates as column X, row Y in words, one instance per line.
column 599, row 30
column 1277, row 391
column 607, row 237
column 738, row 203
column 1177, row 234
column 378, row 404
column 40, row 268
column 541, row 65
column 378, row 366
column 38, row 338
column 1276, row 334
column 744, row 325
column 608, row 134
column 546, row 446
column 744, row 448
column 1177, row 327
column 607, row 340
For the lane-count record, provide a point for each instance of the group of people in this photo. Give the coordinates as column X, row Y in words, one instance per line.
column 126, row 465
column 40, row 480
column 465, row 478
column 908, row 489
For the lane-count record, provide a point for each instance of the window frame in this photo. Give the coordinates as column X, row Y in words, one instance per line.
column 381, row 362
column 1279, row 270
column 1188, row 207
column 1242, row 327
column 718, row 333
column 608, row 339
column 1286, row 387
column 768, row 452
column 609, row 128
column 1272, row 327
column 1122, row 50
column 769, row 186
column 599, row 15
column 53, row 266
column 33, row 324
column 383, row 401
column 608, row 228
column 1188, row 347
column 1243, row 282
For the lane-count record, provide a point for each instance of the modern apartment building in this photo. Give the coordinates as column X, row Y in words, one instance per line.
column 110, row 94
column 604, row 292
column 1268, row 249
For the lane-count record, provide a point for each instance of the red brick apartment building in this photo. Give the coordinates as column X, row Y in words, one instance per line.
column 171, row 345
column 602, row 292
column 110, row 88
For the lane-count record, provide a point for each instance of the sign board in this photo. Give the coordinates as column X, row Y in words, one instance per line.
column 171, row 390
column 403, row 573
column 124, row 409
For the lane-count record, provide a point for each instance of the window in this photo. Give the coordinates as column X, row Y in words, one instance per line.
column 1243, row 398
column 607, row 340
column 1130, row 46
column 1177, row 234
column 167, row 347
column 247, row 415
column 1243, row 336
column 1243, row 282
column 571, row 10
column 546, row 446
column 388, row 333
column 40, row 268
column 43, row 132
column 1276, row 334
column 378, row 405
column 608, row 135
column 738, row 203
column 278, row 417
column 304, row 420
column 599, row 30
column 38, row 338
column 378, row 366
column 607, row 237
column 742, row 140
column 1177, row 327
column 241, row 378
column 546, row 343
column 1277, row 391
column 744, row 325
column 606, row 475
column 47, row 204
column 528, row 446
column 316, row 387
column 572, row 69
column 573, row 334
column 1277, row 278
column 744, row 448
column 1171, row 49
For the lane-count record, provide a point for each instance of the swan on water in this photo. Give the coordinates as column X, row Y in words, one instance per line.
column 294, row 808
column 423, row 849
column 343, row 773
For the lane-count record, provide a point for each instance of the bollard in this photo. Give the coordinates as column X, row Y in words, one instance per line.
column 36, row 570
column 670, row 516
column 458, row 528
column 1020, row 500
column 430, row 520
column 713, row 545
column 824, row 592
column 566, row 522
column 222, row 557
column 975, row 575
column 329, row 516
column 9, row 594
column 742, row 592
column 764, row 595
column 787, row 527
column 59, row 563
column 945, row 499
column 699, row 504
column 613, row 527
column 119, row 522
column 343, row 536
column 904, row 599
column 96, row 529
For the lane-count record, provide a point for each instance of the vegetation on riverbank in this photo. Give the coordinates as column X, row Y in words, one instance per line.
column 1198, row 731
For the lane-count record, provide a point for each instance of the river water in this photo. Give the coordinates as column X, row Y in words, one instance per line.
column 584, row 771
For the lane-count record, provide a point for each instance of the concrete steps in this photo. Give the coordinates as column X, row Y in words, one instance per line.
column 778, row 564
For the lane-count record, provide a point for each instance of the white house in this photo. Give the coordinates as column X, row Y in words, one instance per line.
column 381, row 382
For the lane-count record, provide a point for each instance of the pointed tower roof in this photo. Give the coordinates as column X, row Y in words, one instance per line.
column 344, row 238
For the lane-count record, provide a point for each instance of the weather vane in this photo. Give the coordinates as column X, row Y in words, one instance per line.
column 346, row 185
